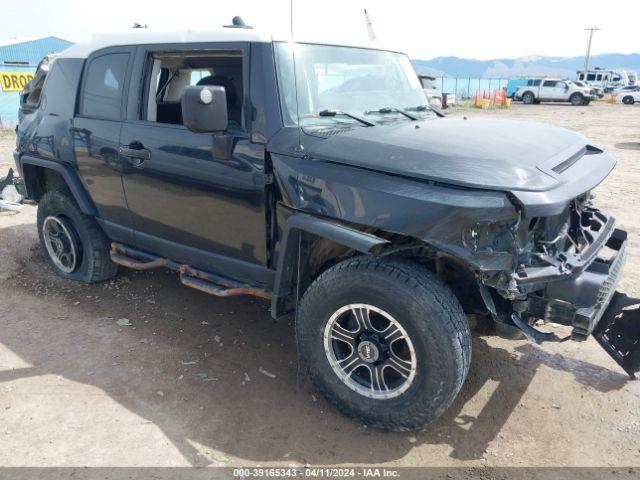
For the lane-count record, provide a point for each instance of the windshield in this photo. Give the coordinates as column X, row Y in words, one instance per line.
column 361, row 82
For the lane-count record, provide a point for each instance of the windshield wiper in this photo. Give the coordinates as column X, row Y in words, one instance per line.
column 387, row 110
column 424, row 108
column 333, row 113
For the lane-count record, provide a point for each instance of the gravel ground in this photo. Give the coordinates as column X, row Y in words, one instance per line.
column 181, row 385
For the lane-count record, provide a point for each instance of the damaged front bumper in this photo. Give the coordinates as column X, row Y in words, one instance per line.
column 578, row 289
column 582, row 289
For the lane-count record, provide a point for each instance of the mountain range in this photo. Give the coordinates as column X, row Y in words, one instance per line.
column 505, row 68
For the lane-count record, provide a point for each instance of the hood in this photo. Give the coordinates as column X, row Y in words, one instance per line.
column 478, row 153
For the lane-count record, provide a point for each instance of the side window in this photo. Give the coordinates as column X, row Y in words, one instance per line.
column 581, row 77
column 104, row 86
column 561, row 84
column 529, row 83
column 170, row 73
column 536, row 83
column 599, row 77
column 30, row 96
column 549, row 83
column 591, row 77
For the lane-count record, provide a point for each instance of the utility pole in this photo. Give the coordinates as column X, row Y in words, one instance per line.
column 586, row 59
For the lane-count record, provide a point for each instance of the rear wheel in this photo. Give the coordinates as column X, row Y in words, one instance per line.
column 628, row 100
column 528, row 98
column 577, row 99
column 73, row 244
column 384, row 341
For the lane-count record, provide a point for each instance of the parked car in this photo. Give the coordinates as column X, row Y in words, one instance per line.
column 321, row 182
column 628, row 97
column 431, row 90
column 627, row 89
column 553, row 90
column 596, row 92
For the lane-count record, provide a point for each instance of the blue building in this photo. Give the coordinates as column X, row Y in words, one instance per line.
column 18, row 62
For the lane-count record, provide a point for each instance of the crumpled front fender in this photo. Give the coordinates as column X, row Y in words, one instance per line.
column 432, row 213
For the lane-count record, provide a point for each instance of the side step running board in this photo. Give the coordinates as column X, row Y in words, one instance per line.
column 218, row 291
column 136, row 264
column 189, row 276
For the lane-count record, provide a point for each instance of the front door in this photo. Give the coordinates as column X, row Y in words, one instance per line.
column 562, row 91
column 186, row 203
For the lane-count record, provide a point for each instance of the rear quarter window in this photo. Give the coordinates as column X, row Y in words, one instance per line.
column 104, row 86
column 61, row 86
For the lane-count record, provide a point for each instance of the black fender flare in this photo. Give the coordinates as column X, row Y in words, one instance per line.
column 300, row 223
column 69, row 175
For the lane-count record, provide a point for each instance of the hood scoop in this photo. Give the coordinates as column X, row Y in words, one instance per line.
column 588, row 150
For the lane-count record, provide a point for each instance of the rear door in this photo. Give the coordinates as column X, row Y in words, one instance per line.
column 188, row 203
column 96, row 135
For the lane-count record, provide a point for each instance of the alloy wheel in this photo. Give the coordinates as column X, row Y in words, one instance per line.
column 61, row 243
column 370, row 351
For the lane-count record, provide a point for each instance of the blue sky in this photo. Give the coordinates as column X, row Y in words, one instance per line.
column 475, row 29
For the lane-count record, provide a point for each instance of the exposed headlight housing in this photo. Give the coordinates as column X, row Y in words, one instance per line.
column 488, row 237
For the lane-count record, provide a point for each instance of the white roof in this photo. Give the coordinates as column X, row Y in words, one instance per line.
column 148, row 36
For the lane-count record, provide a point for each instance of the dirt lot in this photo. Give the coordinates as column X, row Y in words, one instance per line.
column 181, row 386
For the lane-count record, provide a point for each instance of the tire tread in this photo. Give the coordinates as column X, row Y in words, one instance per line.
column 419, row 280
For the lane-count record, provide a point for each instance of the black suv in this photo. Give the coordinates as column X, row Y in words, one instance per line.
column 318, row 177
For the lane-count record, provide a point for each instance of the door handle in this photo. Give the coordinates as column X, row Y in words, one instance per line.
column 134, row 156
column 141, row 153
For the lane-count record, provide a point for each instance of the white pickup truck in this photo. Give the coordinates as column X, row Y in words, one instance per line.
column 553, row 90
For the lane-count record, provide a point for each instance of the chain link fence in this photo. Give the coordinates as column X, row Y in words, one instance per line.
column 465, row 88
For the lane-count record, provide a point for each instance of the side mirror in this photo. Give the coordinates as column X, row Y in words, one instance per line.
column 204, row 109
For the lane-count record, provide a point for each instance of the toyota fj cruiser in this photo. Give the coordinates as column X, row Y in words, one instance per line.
column 317, row 176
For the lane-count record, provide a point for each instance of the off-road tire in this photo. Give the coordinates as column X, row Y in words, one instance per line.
column 577, row 99
column 528, row 98
column 628, row 100
column 426, row 309
column 94, row 263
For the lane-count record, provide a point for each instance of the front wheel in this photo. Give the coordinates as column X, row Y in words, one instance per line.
column 384, row 341
column 528, row 98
